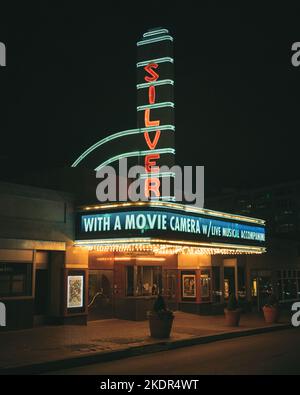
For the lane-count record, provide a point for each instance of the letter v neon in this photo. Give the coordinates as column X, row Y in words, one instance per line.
column 152, row 144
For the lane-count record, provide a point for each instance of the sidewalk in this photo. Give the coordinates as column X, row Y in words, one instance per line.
column 55, row 347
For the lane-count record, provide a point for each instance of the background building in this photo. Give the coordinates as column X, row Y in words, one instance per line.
column 278, row 204
column 36, row 226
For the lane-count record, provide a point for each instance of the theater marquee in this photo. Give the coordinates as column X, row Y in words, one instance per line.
column 169, row 221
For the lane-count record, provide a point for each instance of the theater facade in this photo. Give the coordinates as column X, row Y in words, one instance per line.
column 64, row 264
column 194, row 257
column 137, row 250
column 67, row 264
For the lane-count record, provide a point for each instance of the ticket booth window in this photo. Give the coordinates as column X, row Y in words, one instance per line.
column 144, row 281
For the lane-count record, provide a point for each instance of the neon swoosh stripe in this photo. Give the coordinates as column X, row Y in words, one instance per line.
column 118, row 135
column 158, row 60
column 154, row 40
column 156, row 105
column 135, row 153
column 155, row 83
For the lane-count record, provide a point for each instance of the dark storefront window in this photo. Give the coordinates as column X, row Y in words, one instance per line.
column 217, row 292
column 15, row 279
column 148, row 280
column 261, row 287
column 288, row 285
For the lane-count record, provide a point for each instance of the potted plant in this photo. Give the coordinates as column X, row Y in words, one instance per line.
column 232, row 311
column 160, row 319
column 271, row 310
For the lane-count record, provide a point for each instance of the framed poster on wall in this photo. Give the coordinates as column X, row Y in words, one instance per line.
column 188, row 286
column 75, row 287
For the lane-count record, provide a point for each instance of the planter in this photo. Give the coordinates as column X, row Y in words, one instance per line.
column 232, row 317
column 271, row 314
column 160, row 325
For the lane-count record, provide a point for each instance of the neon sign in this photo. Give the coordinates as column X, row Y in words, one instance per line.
column 152, row 142
column 152, row 183
column 153, row 222
column 155, row 109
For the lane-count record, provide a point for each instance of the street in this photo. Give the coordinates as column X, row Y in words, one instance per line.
column 270, row 353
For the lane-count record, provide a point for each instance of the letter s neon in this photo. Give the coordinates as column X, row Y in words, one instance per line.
column 154, row 75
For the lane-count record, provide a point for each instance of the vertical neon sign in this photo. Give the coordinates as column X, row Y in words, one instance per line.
column 155, row 110
column 151, row 183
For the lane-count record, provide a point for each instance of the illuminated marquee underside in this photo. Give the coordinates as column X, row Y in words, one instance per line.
column 161, row 246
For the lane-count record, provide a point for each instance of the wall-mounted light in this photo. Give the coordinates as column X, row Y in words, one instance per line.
column 105, row 259
column 123, row 258
column 152, row 259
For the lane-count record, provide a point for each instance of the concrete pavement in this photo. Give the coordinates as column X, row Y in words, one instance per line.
column 269, row 353
column 55, row 347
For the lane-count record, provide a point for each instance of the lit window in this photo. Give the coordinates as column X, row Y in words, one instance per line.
column 147, row 282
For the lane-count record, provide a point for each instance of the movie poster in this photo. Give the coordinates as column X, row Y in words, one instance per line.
column 189, row 285
column 75, row 291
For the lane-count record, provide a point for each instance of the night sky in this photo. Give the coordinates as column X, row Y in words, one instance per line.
column 70, row 80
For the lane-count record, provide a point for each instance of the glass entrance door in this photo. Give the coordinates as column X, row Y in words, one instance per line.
column 100, row 300
column 170, row 288
column 41, row 292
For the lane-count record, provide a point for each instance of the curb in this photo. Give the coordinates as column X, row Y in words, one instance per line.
column 86, row 359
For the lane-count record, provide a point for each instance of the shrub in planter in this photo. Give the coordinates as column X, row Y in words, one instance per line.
column 271, row 310
column 160, row 319
column 232, row 311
